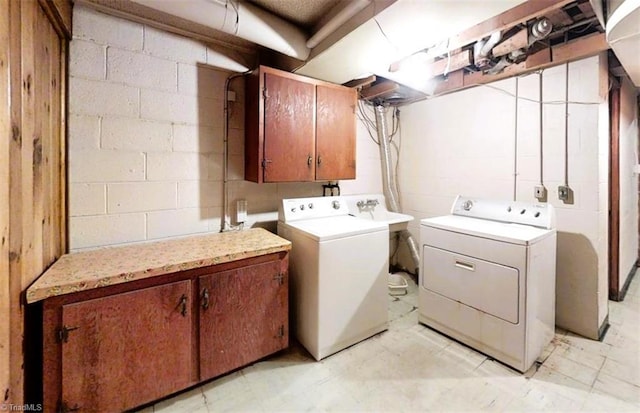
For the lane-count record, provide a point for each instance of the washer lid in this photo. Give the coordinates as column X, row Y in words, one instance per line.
column 324, row 229
column 501, row 231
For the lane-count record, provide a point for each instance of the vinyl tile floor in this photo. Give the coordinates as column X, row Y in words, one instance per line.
column 412, row 368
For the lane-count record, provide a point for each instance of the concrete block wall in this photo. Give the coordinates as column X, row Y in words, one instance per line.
column 146, row 136
column 466, row 143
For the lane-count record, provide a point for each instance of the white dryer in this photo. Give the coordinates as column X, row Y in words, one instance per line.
column 338, row 270
column 487, row 277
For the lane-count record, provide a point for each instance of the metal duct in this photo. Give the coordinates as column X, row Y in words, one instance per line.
column 240, row 19
column 389, row 186
column 351, row 9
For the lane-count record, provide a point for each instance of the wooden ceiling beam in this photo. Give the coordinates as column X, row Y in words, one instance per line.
column 380, row 89
column 586, row 9
column 522, row 13
column 362, row 82
column 553, row 56
column 455, row 62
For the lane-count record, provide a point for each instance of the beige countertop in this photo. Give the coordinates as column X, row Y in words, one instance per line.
column 114, row 265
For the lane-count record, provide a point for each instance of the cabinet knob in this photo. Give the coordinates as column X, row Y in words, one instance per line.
column 309, row 160
column 319, row 160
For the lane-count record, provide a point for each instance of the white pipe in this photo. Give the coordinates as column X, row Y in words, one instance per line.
column 240, row 19
column 389, row 186
column 491, row 42
column 350, row 10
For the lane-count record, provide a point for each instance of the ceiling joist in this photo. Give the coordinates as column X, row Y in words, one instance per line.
column 504, row 21
column 519, row 51
column 552, row 56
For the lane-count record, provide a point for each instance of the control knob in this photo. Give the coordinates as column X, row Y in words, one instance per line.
column 335, row 204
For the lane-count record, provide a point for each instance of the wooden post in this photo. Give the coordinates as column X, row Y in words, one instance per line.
column 614, row 193
column 5, row 131
column 33, row 46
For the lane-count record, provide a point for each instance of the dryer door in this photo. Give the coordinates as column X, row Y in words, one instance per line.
column 486, row 286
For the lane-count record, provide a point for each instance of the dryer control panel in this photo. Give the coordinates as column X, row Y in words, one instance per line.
column 539, row 215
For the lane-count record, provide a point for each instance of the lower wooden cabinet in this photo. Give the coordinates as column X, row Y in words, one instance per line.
column 243, row 317
column 126, row 349
column 116, row 348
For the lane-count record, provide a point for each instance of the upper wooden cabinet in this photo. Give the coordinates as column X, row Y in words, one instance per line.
column 298, row 129
column 335, row 132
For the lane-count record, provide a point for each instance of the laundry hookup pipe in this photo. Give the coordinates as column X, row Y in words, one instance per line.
column 389, row 186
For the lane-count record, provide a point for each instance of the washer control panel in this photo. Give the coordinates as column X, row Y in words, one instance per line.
column 540, row 215
column 295, row 209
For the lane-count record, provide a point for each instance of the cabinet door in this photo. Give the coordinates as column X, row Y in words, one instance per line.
column 289, row 134
column 335, row 133
column 243, row 316
column 127, row 349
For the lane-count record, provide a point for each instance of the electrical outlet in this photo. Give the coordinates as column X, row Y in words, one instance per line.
column 540, row 193
column 565, row 194
column 241, row 211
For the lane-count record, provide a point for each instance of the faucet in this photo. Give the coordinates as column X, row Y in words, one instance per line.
column 368, row 203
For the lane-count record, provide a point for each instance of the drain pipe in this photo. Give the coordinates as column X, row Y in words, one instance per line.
column 389, row 186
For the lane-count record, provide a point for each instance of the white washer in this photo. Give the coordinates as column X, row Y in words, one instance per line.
column 487, row 277
column 338, row 267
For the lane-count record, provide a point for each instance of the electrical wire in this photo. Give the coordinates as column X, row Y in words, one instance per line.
column 226, row 221
column 235, row 8
column 397, row 146
column 566, row 126
column 515, row 147
column 549, row 102
column 541, row 108
column 384, row 34
column 367, row 121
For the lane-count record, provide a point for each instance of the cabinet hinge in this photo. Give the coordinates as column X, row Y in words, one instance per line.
column 265, row 162
column 265, row 94
column 279, row 277
column 65, row 408
column 63, row 333
column 281, row 331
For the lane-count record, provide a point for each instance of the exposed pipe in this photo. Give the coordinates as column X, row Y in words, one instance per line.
column 541, row 109
column 515, row 146
column 226, row 219
column 240, row 19
column 351, row 9
column 482, row 48
column 389, row 186
column 566, row 125
column 388, row 180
